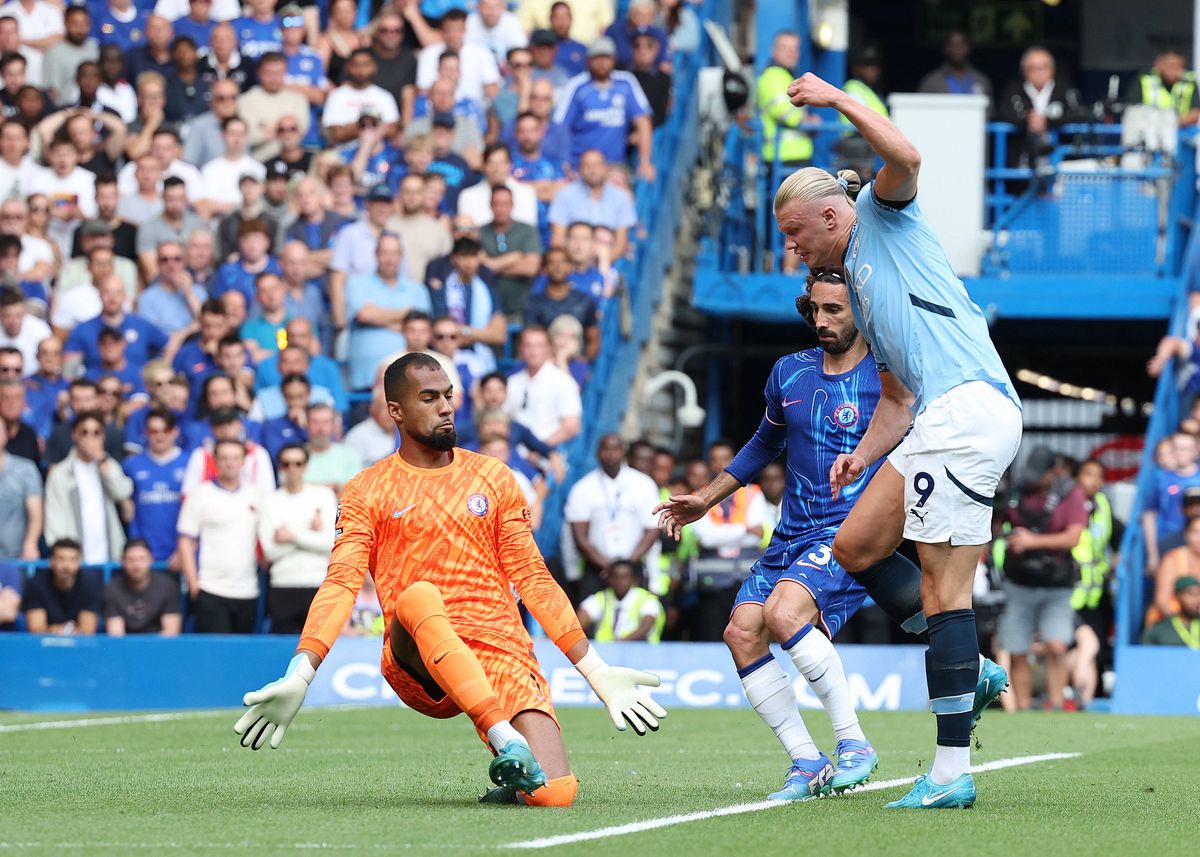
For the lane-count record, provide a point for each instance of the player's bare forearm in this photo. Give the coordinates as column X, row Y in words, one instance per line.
column 890, row 421
column 719, row 489
column 901, row 159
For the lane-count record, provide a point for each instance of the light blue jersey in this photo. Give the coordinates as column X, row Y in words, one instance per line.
column 912, row 308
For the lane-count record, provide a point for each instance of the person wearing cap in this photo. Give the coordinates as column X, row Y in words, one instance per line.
column 639, row 21
column 259, row 32
column 492, row 26
column 480, row 73
column 306, row 75
column 269, row 101
column 444, row 162
column 1042, row 525
column 600, row 109
column 222, row 176
column 543, row 47
column 354, row 249
column 346, row 104
column 1182, row 628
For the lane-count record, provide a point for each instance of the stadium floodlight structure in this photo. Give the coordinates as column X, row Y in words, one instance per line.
column 689, row 414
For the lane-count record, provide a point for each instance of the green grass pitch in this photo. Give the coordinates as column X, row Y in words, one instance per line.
column 379, row 781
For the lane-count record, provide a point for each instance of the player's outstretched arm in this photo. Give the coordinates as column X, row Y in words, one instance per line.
column 271, row 708
column 897, row 181
column 682, row 509
column 892, row 417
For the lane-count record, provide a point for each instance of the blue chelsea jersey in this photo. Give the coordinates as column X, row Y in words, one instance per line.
column 156, row 494
column 825, row 415
column 911, row 306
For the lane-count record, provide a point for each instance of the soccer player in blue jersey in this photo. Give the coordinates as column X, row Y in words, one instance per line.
column 819, row 402
column 941, row 375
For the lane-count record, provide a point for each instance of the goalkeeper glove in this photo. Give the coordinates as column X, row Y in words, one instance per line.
column 273, row 706
column 619, row 689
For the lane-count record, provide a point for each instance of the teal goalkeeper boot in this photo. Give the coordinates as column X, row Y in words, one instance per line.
column 926, row 794
column 515, row 766
column 993, row 681
column 807, row 779
column 856, row 761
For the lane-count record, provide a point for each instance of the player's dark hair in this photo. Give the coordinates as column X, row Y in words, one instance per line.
column 804, row 304
column 396, row 377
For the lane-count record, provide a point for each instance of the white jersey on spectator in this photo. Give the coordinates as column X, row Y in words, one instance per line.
column 478, row 70
column 303, row 561
column 617, row 510
column 221, row 177
column 222, row 10
column 226, row 524
column 544, row 400
column 257, row 472
column 193, row 184
column 15, row 181
column 33, row 330
column 476, row 202
column 75, row 306
column 500, row 39
column 345, row 104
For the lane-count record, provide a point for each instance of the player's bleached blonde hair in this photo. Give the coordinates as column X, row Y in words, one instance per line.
column 808, row 184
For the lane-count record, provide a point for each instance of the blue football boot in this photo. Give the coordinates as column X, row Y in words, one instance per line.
column 808, row 778
column 993, row 681
column 515, row 766
column 926, row 794
column 856, row 761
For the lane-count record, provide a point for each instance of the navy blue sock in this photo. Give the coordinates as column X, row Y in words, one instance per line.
column 895, row 585
column 952, row 671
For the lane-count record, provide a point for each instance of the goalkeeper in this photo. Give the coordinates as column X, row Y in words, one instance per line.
column 446, row 535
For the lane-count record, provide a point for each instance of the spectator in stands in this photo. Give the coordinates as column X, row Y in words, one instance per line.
column 37, row 262
column 376, row 305
column 1168, row 85
column 222, row 175
column 493, row 27
column 541, row 395
column 624, row 611
column 258, row 33
column 455, row 169
column 138, row 601
column 370, row 155
column 263, row 106
column 81, row 302
column 1163, row 514
column 586, row 109
column 221, row 517
column 200, row 258
column 476, row 201
column 196, row 19
column 1182, row 629
column 559, row 297
column 639, row 21
column 454, row 125
column 114, row 363
column 567, row 344
column 396, row 64
column 263, row 329
column 20, row 502
column 172, row 301
column 19, row 329
column 592, row 199
column 957, row 76
column 640, row 456
column 271, row 403
column 251, row 207
column 143, row 340
column 119, row 23
column 319, row 369
column 252, row 260
column 1191, row 509
column 591, row 261
column 46, row 387
column 62, row 599
column 572, row 23
column 258, row 473
column 23, row 441
column 771, row 481
column 16, row 165
column 555, row 140
column 1040, row 574
column 418, row 336
column 296, row 531
column 187, row 90
column 346, row 103
column 646, row 66
column 331, row 463
column 11, row 584
column 462, row 293
column 480, row 74
column 518, row 83
column 82, row 398
column 608, row 512
column 175, row 223
column 71, row 187
column 155, row 54
column 1180, row 562
column 1093, row 609
column 314, row 227
column 121, row 234
column 205, row 141
column 424, row 237
column 513, row 252
column 88, row 495
column 1037, row 103
column 157, row 476
column 224, row 61
column 543, row 48
column 302, row 296
column 291, row 425
column 780, row 118
column 63, row 57
column 197, row 357
column 374, row 438
column 355, row 250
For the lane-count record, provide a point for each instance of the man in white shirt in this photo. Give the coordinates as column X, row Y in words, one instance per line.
column 542, row 396
column 493, row 27
column 41, row 27
column 610, row 513
column 222, row 176
column 222, row 516
column 346, row 103
column 476, row 201
column 36, row 261
column 72, row 192
column 165, row 146
column 295, row 529
column 17, row 168
column 21, row 330
column 480, row 79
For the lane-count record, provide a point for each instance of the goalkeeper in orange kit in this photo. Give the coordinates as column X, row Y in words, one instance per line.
column 446, row 535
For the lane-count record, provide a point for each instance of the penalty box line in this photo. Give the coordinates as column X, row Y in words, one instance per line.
column 758, row 806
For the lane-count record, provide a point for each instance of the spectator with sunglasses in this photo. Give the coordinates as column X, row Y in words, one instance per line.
column 157, row 476
column 172, row 301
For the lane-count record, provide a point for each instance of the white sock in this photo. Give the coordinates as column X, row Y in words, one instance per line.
column 981, row 661
column 502, row 733
column 771, row 694
column 950, row 763
column 816, row 659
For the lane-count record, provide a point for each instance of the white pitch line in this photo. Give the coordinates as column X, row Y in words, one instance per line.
column 161, row 717
column 738, row 809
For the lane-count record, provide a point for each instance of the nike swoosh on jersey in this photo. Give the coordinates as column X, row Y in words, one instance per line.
column 793, row 402
column 400, row 512
column 935, row 797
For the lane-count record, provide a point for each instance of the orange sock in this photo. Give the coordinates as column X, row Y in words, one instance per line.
column 450, row 661
column 559, row 791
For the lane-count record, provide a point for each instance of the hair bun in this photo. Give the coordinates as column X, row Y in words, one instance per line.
column 849, row 180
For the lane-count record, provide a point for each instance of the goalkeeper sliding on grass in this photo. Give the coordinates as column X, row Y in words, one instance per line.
column 446, row 535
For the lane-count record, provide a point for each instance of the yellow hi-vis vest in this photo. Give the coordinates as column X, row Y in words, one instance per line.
column 864, row 94
column 1177, row 98
column 1093, row 555
column 780, row 115
column 606, row 627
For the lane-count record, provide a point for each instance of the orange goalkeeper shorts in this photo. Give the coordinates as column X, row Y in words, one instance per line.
column 516, row 677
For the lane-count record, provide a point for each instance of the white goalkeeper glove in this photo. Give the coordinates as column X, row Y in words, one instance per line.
column 273, row 706
column 619, row 689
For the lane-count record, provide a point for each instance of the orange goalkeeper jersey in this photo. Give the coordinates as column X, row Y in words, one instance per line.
column 465, row 528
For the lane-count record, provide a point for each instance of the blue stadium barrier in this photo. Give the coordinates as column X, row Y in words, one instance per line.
column 44, row 673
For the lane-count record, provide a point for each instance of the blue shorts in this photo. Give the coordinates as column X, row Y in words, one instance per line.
column 807, row 560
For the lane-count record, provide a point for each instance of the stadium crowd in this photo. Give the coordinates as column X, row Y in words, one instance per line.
column 220, row 224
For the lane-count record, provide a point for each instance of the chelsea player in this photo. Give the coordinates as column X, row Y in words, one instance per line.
column 939, row 373
column 819, row 402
